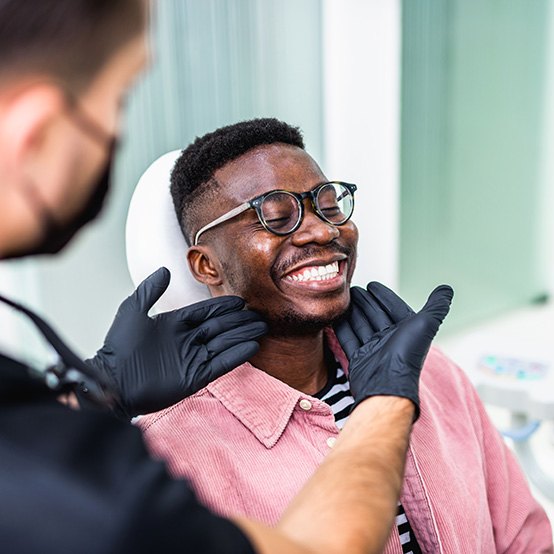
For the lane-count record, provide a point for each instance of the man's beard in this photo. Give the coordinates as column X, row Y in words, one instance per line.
column 294, row 324
column 289, row 322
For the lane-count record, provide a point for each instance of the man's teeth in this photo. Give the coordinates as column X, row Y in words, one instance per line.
column 317, row 273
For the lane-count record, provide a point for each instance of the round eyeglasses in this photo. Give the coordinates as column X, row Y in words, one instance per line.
column 281, row 211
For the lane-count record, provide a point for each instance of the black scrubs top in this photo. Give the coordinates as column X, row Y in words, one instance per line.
column 82, row 482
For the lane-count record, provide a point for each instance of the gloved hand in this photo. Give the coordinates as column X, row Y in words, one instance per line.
column 386, row 342
column 154, row 362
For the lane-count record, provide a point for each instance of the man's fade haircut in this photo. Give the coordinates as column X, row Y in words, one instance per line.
column 192, row 177
column 67, row 41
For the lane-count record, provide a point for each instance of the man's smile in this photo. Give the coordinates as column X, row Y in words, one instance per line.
column 321, row 276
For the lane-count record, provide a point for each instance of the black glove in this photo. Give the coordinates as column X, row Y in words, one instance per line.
column 154, row 362
column 386, row 342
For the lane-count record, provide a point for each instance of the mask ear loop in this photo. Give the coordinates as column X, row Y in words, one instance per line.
column 82, row 119
column 70, row 371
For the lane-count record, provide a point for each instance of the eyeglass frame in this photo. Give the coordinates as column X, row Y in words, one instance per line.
column 257, row 201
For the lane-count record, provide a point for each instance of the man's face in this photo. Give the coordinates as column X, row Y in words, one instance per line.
column 279, row 276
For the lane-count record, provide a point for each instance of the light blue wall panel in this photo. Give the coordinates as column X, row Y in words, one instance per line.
column 472, row 125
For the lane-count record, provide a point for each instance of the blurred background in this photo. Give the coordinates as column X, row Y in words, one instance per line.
column 441, row 111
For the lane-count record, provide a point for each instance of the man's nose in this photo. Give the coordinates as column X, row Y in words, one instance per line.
column 314, row 230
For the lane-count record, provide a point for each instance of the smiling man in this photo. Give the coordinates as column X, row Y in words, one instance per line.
column 287, row 260
column 263, row 222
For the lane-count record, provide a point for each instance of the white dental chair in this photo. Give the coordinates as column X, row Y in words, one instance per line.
column 154, row 239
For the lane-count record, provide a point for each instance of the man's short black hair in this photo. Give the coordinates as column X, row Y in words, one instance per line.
column 68, row 41
column 192, row 178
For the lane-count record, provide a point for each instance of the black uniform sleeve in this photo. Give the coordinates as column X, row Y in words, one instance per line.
column 82, row 482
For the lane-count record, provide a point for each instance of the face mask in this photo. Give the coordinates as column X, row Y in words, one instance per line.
column 55, row 234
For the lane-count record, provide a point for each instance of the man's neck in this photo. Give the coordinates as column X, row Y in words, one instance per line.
column 297, row 361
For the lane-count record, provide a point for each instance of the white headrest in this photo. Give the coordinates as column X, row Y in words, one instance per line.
column 154, row 238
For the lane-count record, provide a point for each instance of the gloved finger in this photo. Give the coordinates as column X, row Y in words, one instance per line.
column 226, row 361
column 244, row 333
column 217, row 325
column 393, row 305
column 149, row 291
column 360, row 324
column 438, row 303
column 213, row 307
column 371, row 312
column 347, row 337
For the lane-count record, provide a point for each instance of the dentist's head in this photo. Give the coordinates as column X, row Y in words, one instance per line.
column 65, row 68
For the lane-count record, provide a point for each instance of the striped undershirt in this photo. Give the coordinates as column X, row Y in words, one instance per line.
column 337, row 394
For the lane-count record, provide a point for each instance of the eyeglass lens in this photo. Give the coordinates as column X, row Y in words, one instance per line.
column 281, row 210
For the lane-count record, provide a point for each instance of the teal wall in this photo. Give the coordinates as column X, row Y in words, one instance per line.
column 221, row 61
column 473, row 76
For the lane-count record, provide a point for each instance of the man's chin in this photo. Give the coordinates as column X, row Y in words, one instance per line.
column 289, row 324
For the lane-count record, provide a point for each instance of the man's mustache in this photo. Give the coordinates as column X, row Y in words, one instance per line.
column 308, row 253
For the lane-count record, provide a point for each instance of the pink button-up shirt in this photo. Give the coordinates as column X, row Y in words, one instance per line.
column 249, row 444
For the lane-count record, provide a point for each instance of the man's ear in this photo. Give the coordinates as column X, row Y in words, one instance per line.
column 26, row 115
column 205, row 266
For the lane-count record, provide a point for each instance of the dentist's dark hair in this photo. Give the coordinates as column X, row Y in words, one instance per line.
column 68, row 41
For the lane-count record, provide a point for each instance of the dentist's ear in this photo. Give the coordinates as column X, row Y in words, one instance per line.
column 204, row 266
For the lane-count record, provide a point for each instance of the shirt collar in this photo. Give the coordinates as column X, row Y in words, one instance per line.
column 264, row 404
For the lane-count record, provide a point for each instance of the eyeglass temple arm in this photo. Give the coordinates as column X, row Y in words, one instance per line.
column 343, row 195
column 348, row 191
column 229, row 215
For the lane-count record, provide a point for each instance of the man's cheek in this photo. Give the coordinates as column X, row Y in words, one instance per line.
column 262, row 249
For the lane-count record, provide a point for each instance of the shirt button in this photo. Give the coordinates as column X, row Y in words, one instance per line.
column 331, row 442
column 305, row 404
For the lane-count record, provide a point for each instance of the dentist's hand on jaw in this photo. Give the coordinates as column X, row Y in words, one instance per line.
column 154, row 362
column 386, row 342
